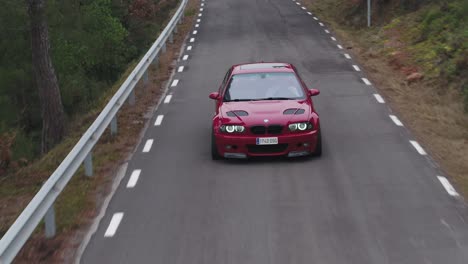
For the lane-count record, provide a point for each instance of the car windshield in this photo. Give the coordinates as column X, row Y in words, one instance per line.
column 264, row 86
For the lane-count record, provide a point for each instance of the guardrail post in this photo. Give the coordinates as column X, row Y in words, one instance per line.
column 181, row 18
column 163, row 49
column 175, row 29
column 155, row 60
column 171, row 38
column 113, row 125
column 49, row 220
column 88, row 164
column 131, row 98
column 145, row 76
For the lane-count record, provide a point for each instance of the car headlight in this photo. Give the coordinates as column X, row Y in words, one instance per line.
column 232, row 128
column 302, row 126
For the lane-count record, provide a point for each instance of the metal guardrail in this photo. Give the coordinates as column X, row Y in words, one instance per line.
column 42, row 205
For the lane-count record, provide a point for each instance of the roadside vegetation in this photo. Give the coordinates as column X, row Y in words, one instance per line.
column 416, row 54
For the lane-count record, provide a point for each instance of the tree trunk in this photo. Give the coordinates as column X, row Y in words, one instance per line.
column 53, row 116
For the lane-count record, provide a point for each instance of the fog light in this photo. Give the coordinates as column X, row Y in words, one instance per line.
column 306, row 144
column 228, row 146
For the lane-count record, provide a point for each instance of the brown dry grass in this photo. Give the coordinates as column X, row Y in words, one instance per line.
column 433, row 113
column 79, row 203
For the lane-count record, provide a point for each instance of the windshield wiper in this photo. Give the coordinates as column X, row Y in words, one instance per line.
column 238, row 100
column 274, row 98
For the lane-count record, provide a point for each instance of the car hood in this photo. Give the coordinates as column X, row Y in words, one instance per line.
column 259, row 111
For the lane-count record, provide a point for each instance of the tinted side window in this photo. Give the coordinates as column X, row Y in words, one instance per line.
column 226, row 78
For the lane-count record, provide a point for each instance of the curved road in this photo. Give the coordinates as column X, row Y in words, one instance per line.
column 372, row 198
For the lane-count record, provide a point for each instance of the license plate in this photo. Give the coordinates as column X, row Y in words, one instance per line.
column 267, row 141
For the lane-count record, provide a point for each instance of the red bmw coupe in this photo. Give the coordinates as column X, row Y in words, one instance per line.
column 264, row 109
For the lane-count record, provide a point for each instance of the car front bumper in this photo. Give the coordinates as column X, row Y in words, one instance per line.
column 243, row 146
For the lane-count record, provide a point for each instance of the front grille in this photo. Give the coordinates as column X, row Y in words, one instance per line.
column 272, row 129
column 275, row 129
column 267, row 148
column 258, row 130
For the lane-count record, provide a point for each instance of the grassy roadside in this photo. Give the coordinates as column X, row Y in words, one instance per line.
column 77, row 206
column 422, row 86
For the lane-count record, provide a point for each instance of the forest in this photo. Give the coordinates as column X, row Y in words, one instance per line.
column 91, row 43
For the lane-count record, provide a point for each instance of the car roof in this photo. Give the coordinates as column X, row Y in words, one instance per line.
column 262, row 67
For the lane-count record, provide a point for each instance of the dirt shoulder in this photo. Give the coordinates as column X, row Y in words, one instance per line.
column 80, row 202
column 433, row 112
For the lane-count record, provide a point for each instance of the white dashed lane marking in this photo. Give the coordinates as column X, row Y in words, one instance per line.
column 192, row 40
column 189, row 48
column 197, row 25
column 201, row 9
column 396, row 120
column 367, row 82
column 195, row 32
column 174, row 83
column 200, row 14
column 180, row 69
column 309, row 13
column 339, row 46
column 347, row 56
column 315, row 18
column 303, row 8
column 418, row 147
column 448, row 187
column 168, row 99
column 297, row 3
column 159, row 120
column 198, row 20
column 133, row 179
column 202, row 4
column 356, row 68
column 321, row 24
column 326, row 31
column 114, row 224
column 148, row 145
column 185, row 57
column 379, row 98
column 333, row 38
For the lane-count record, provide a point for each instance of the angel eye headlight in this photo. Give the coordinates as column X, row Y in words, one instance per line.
column 301, row 126
column 232, row 128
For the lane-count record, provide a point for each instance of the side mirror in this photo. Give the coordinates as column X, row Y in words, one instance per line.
column 214, row 96
column 313, row 92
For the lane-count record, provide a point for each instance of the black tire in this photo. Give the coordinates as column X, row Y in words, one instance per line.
column 318, row 149
column 214, row 150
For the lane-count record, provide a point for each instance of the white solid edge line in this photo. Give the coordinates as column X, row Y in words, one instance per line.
column 356, row 68
column 448, row 187
column 309, row 13
column 189, row 48
column 195, row 32
column 114, row 224
column 180, row 69
column 159, row 120
column 347, row 56
column 379, row 98
column 339, row 46
column 133, row 179
column 366, row 81
column 168, row 99
column 185, row 57
column 333, row 38
column 396, row 120
column 174, row 83
column 148, row 145
column 418, row 147
column 192, row 40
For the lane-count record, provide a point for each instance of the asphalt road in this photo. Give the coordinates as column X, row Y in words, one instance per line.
column 371, row 198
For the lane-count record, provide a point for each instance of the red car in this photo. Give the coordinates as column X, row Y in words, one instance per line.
column 264, row 109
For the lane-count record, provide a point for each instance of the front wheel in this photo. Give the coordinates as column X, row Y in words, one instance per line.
column 214, row 149
column 318, row 147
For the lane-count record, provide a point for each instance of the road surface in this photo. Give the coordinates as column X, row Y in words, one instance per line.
column 372, row 197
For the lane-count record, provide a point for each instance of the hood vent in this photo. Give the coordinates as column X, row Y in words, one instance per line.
column 294, row 111
column 237, row 113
